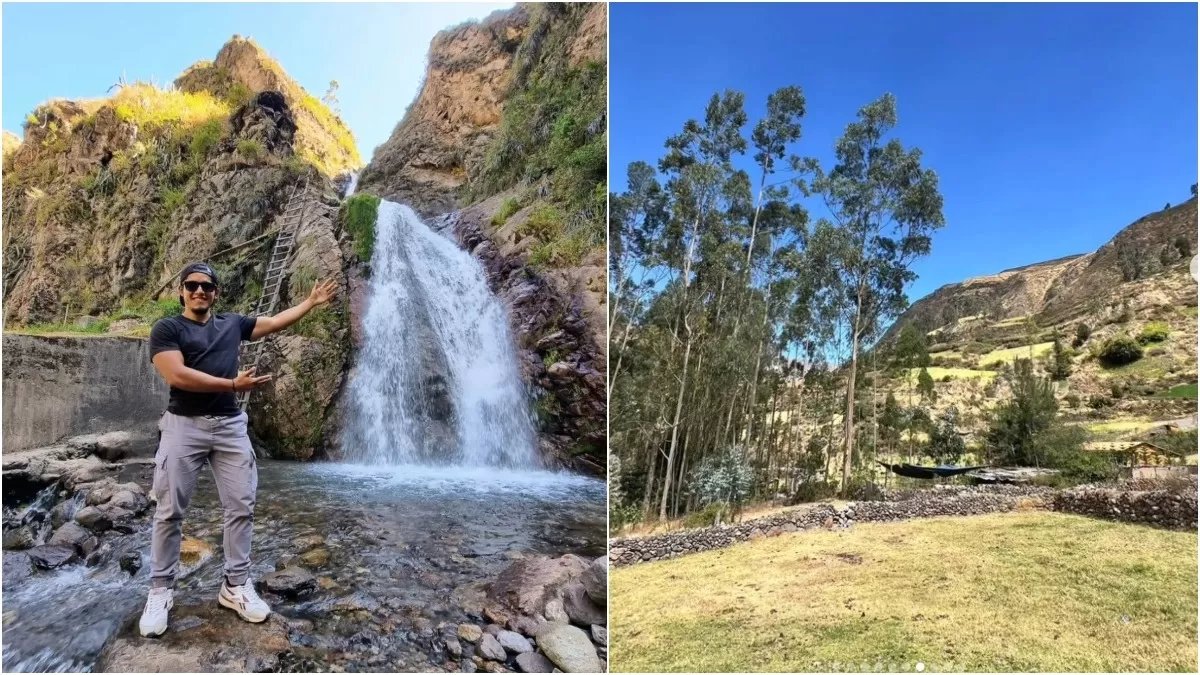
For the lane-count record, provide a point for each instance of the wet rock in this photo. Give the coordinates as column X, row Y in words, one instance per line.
column 50, row 556
column 468, row 666
column 555, row 612
column 17, row 568
column 202, row 638
column 105, row 492
column 532, row 662
column 19, row 539
column 513, row 642
column 495, row 615
column 71, row 534
column 318, row 557
column 489, row 648
column 494, row 667
column 130, row 501
column 305, row 544
column 523, row 625
column 470, row 632
column 63, row 512
column 600, row 635
column 492, row 629
column 292, row 582
column 359, row 602
column 94, row 519
column 193, row 551
column 526, row 585
column 581, row 611
column 131, row 562
column 449, row 636
column 569, row 648
column 595, row 581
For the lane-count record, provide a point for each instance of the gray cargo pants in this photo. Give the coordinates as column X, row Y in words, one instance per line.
column 185, row 444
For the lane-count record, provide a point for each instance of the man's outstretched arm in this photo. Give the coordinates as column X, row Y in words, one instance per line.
column 321, row 293
column 170, row 365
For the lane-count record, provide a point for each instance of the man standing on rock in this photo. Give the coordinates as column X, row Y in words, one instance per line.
column 197, row 354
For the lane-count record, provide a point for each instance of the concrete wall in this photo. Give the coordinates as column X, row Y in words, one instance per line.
column 55, row 387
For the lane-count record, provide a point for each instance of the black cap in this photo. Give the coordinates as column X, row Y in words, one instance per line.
column 202, row 268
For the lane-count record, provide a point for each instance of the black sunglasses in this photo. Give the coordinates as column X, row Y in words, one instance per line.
column 193, row 286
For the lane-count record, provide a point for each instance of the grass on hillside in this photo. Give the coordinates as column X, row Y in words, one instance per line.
column 1121, row 426
column 1179, row 391
column 1032, row 591
column 1014, row 353
column 938, row 372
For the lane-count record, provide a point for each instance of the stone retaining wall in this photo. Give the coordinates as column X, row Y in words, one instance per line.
column 1173, row 508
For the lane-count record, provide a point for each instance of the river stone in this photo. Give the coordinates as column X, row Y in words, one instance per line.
column 492, row 629
column 523, row 625
column 93, row 518
column 61, row 513
column 130, row 501
column 50, row 556
column 569, row 648
column 290, row 583
column 208, row 642
column 533, row 662
column 595, row 581
column 318, row 557
column 358, row 602
column 131, row 562
column 490, row 649
column 555, row 612
column 580, row 609
column 513, row 642
column 600, row 635
column 71, row 534
column 18, row 539
column 469, row 632
column 194, row 551
column 307, row 543
column 526, row 585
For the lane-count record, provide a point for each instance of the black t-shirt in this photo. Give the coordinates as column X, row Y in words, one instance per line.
column 210, row 348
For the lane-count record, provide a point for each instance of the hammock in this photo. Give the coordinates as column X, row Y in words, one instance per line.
column 928, row 472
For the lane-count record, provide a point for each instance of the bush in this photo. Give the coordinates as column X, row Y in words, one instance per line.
column 508, row 207
column 1119, row 350
column 1116, row 390
column 978, row 348
column 249, row 148
column 812, row 491
column 1098, row 401
column 359, row 213
column 1082, row 333
column 724, row 477
column 620, row 515
column 545, row 224
column 1072, row 400
column 704, row 517
column 1155, row 331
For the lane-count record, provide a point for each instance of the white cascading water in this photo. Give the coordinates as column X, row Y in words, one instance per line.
column 417, row 273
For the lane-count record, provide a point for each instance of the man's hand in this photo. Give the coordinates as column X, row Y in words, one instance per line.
column 245, row 380
column 322, row 292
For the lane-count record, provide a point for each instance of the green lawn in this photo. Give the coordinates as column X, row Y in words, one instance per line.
column 1014, row 353
column 1028, row 591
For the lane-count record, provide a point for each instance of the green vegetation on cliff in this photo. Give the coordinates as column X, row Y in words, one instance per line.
column 553, row 133
column 358, row 216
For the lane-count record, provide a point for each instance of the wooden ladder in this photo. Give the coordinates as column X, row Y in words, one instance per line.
column 293, row 215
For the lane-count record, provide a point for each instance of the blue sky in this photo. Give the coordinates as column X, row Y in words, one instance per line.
column 1051, row 126
column 375, row 51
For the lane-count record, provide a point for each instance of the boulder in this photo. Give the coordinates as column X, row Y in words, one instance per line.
column 490, row 649
column 528, row 584
column 569, row 648
column 595, row 581
column 202, row 638
column 470, row 632
column 580, row 609
column 111, row 446
column 289, row 583
column 93, row 519
column 600, row 635
column 19, row 539
column 51, row 556
column 513, row 642
column 533, row 662
column 131, row 562
column 71, row 534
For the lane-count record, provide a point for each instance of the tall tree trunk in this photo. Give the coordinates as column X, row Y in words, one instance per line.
column 687, row 355
column 848, row 460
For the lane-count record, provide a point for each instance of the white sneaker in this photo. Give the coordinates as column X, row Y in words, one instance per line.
column 243, row 600
column 154, row 617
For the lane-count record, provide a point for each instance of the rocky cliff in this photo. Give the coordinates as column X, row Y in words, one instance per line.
column 106, row 200
column 508, row 141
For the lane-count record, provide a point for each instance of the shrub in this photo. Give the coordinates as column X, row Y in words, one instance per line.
column 724, row 477
column 1098, row 401
column 205, row 137
column 1082, row 333
column 1116, row 390
column 946, row 378
column 249, row 148
column 545, row 224
column 704, row 517
column 508, row 207
column 359, row 213
column 812, row 491
column 1072, row 400
column 1119, row 350
column 620, row 515
column 1155, row 331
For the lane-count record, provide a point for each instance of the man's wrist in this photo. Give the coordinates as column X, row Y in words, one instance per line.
column 233, row 385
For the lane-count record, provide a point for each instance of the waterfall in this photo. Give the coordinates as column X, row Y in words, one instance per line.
column 351, row 185
column 437, row 379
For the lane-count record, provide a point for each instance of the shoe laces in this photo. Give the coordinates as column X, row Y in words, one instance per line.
column 247, row 590
column 157, row 601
